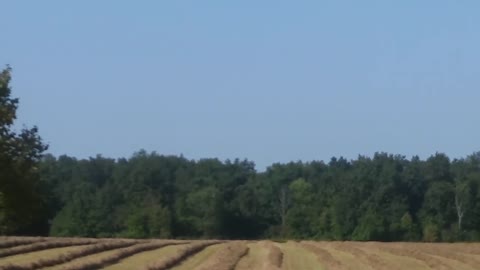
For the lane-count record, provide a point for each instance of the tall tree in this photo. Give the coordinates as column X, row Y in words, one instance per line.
column 302, row 214
column 21, row 206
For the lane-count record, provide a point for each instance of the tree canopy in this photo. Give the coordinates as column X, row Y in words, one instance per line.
column 385, row 198
column 22, row 207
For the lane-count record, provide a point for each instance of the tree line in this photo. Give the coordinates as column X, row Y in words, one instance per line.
column 384, row 197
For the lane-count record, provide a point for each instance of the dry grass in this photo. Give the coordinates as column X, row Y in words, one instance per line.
column 66, row 257
column 449, row 253
column 119, row 255
column 258, row 256
column 324, row 257
column 372, row 260
column 441, row 254
column 432, row 262
column 8, row 242
column 198, row 258
column 274, row 259
column 27, row 258
column 296, row 257
column 44, row 245
column 226, row 258
column 32, row 253
column 465, row 248
column 144, row 258
column 181, row 255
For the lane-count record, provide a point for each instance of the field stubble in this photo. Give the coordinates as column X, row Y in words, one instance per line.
column 31, row 253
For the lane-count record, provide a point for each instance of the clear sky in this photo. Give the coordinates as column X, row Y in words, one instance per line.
column 271, row 81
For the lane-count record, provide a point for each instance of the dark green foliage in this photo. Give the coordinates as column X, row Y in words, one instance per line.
column 23, row 198
column 383, row 198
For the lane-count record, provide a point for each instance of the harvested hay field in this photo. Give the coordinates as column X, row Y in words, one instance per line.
column 31, row 253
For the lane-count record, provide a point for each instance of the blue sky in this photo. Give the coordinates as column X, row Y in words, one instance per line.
column 271, row 81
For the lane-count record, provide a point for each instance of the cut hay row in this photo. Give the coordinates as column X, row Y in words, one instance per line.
column 17, row 241
column 470, row 248
column 181, row 255
column 275, row 257
column 67, row 257
column 226, row 258
column 373, row 260
column 323, row 256
column 44, row 245
column 120, row 254
column 432, row 262
column 432, row 249
column 5, row 237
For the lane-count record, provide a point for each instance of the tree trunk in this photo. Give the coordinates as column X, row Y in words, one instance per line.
column 460, row 212
column 283, row 198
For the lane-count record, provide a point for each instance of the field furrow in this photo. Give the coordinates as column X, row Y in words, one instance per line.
column 455, row 255
column 9, row 242
column 275, row 257
column 48, row 253
column 449, row 257
column 104, row 259
column 431, row 261
column 181, row 255
column 44, row 245
column 198, row 258
column 324, row 256
column 394, row 262
column 370, row 261
column 225, row 258
column 296, row 257
column 141, row 260
column 27, row 259
column 62, row 258
column 263, row 255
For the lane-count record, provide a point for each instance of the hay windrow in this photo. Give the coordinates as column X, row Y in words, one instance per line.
column 433, row 249
column 120, row 254
column 181, row 255
column 226, row 258
column 69, row 256
column 373, row 260
column 44, row 245
column 275, row 257
column 34, row 253
column 9, row 242
column 432, row 262
column 323, row 256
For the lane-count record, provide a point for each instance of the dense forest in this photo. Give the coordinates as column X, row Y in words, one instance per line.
column 386, row 197
column 383, row 197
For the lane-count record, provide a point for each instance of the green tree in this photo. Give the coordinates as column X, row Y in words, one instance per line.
column 409, row 228
column 370, row 227
column 75, row 218
column 22, row 208
column 301, row 216
column 438, row 211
